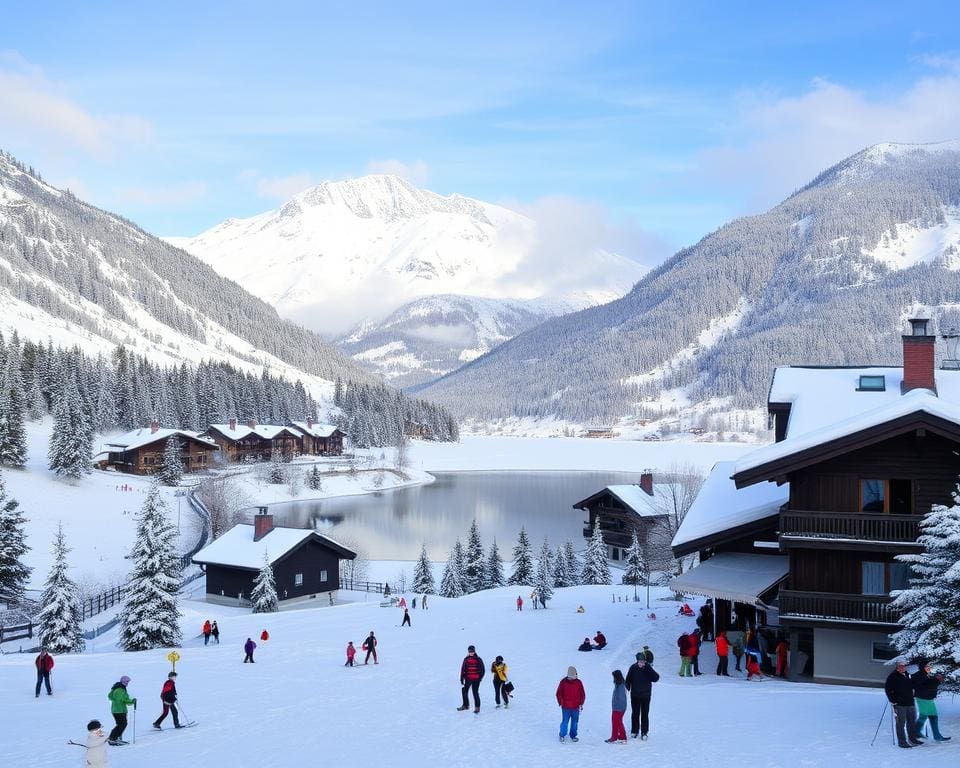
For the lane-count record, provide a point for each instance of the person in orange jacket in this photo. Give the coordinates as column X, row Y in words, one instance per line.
column 783, row 650
column 264, row 636
column 207, row 629
column 723, row 651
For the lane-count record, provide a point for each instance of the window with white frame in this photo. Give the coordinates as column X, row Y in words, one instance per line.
column 323, row 576
column 298, row 580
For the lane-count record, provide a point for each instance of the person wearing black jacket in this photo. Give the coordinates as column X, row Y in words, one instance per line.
column 471, row 673
column 899, row 690
column 925, row 688
column 640, row 679
column 168, row 697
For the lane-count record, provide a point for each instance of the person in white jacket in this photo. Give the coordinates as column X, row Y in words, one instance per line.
column 96, row 754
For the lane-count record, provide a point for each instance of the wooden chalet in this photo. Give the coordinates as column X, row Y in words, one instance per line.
column 252, row 441
column 621, row 509
column 861, row 454
column 141, row 451
column 306, row 565
column 318, row 439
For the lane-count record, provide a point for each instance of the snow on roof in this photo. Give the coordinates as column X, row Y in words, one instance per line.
column 734, row 576
column 240, row 431
column 915, row 401
column 317, row 430
column 720, row 505
column 640, row 501
column 237, row 548
column 137, row 438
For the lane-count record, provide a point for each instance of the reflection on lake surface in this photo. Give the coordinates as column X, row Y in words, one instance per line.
column 391, row 525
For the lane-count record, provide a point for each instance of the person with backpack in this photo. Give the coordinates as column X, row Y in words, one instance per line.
column 499, row 671
column 351, row 652
column 44, row 665
column 370, row 646
column 723, row 649
column 571, row 697
column 618, row 705
column 248, row 648
column 96, row 755
column 119, row 702
column 215, row 631
column 168, row 696
column 471, row 673
column 639, row 681
column 683, row 643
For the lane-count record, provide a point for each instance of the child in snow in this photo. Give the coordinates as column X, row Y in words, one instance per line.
column 96, row 754
column 215, row 631
column 600, row 641
column 619, row 705
column 471, row 673
column 738, row 653
column 753, row 667
column 499, row 671
column 586, row 645
column 351, row 652
column 168, row 696
column 264, row 636
column 248, row 649
column 683, row 644
column 519, row 603
column 119, row 701
column 207, row 629
column 723, row 649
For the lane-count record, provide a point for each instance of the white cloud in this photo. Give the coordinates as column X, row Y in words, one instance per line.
column 171, row 195
column 416, row 173
column 280, row 188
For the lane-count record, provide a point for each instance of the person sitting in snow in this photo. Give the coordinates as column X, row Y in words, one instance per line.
column 600, row 642
column 580, row 609
column 586, row 645
column 264, row 636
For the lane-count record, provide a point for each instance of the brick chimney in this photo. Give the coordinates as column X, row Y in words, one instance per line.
column 252, row 423
column 309, row 422
column 154, row 427
column 233, row 424
column 646, row 482
column 262, row 523
column 919, row 358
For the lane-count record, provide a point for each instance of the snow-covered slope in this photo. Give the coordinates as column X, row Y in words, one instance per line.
column 348, row 252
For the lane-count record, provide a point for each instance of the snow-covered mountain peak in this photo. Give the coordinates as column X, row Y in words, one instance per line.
column 886, row 160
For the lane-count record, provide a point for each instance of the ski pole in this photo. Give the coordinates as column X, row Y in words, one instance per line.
column 882, row 715
column 134, row 723
column 183, row 712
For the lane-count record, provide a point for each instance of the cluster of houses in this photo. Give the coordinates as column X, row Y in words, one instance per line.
column 141, row 451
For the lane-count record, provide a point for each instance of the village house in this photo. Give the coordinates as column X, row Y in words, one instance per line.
column 306, row 564
column 803, row 533
column 252, row 441
column 141, row 451
column 318, row 439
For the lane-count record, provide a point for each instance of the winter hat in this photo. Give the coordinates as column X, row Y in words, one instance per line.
column 639, row 655
column 93, row 725
column 471, row 649
column 124, row 680
column 572, row 673
column 499, row 658
column 171, row 674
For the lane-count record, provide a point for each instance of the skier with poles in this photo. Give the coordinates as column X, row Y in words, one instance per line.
column 899, row 690
column 168, row 695
column 119, row 701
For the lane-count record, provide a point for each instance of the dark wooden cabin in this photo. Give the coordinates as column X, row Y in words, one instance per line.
column 318, row 439
column 252, row 441
column 622, row 509
column 141, row 451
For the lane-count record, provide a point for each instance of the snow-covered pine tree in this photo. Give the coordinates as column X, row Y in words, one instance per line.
column 633, row 559
column 13, row 436
column 473, row 576
column 560, row 577
column 573, row 564
column 451, row 584
column 461, row 557
column 522, row 572
column 70, row 443
column 36, row 405
column 493, row 573
column 423, row 582
column 544, row 579
column 264, row 592
column 314, row 480
column 595, row 570
column 61, row 618
column 13, row 546
column 171, row 472
column 150, row 617
column 931, row 605
column 278, row 473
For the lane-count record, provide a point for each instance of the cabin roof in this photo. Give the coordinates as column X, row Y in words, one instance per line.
column 240, row 431
column 635, row 498
column 236, row 548
column 137, row 438
column 317, row 430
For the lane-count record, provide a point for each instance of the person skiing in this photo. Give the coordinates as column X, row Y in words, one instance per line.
column 571, row 698
column 926, row 684
column 207, row 629
column 471, row 673
column 600, row 641
column 499, row 671
column 351, row 652
column 44, row 665
column 619, row 706
column 370, row 646
column 119, row 701
column 683, row 643
column 96, row 754
column 168, row 695
column 899, row 690
column 639, row 681
column 406, row 618
column 248, row 648
column 723, row 650
column 264, row 636
column 215, row 631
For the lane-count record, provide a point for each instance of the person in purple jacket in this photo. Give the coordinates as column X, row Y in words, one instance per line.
column 248, row 649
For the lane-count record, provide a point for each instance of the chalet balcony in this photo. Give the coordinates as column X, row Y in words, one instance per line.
column 837, row 608
column 838, row 530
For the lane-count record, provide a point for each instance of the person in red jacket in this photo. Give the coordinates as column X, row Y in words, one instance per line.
column 695, row 651
column 783, row 650
column 207, row 629
column 168, row 695
column 44, row 664
column 471, row 673
column 723, row 651
column 600, row 640
column 351, row 652
column 571, row 698
column 519, row 603
column 264, row 636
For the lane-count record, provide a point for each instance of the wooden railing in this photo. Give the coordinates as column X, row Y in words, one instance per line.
column 837, row 607
column 16, row 632
column 855, row 527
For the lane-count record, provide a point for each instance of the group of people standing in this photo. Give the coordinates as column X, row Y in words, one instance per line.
column 914, row 702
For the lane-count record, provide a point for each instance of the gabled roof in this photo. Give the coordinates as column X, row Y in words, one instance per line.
column 137, row 438
column 317, row 430
column 635, row 498
column 735, row 576
column 722, row 512
column 236, row 548
column 264, row 431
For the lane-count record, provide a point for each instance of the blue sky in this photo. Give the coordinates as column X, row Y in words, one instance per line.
column 662, row 122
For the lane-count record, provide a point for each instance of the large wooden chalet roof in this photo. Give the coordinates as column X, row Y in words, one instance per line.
column 138, row 438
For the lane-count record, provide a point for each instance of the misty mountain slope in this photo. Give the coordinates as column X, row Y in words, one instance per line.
column 74, row 274
column 827, row 276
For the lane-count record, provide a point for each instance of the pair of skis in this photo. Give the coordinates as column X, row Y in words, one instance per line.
column 191, row 724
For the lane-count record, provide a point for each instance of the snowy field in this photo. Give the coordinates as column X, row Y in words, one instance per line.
column 298, row 705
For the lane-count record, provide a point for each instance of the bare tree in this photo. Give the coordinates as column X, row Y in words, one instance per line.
column 224, row 499
column 402, row 455
column 674, row 496
column 356, row 569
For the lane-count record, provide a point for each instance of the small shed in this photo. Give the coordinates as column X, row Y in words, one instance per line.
column 306, row 564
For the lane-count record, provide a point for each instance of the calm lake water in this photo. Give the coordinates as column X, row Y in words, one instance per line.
column 391, row 525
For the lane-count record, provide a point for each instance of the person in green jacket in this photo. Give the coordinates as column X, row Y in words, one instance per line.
column 119, row 701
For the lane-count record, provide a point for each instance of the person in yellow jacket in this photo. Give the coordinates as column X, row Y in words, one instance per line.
column 499, row 673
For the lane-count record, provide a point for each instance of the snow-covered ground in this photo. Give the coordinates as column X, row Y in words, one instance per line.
column 298, row 704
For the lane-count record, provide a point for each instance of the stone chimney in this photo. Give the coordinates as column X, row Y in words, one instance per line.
column 233, row 424
column 646, row 482
column 262, row 523
column 919, row 358
column 154, row 427
column 252, row 423
column 309, row 422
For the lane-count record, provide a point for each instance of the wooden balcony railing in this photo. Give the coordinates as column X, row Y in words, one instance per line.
column 831, row 606
column 866, row 527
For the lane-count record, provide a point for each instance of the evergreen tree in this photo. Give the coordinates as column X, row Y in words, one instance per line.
column 61, row 617
column 13, row 546
column 278, row 473
column 596, row 570
column 36, row 405
column 70, row 443
column 423, row 582
column 171, row 473
column 573, row 564
column 522, row 572
column 931, row 606
column 264, row 592
column 13, row 436
column 493, row 573
column 544, row 579
column 314, row 480
column 150, row 617
column 451, row 584
column 560, row 577
column 634, row 572
column 461, row 557
column 473, row 576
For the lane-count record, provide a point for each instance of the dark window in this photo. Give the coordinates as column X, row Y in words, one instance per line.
column 872, row 495
column 873, row 581
column 872, row 384
column 881, row 651
column 614, row 553
column 900, row 574
column 901, row 497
